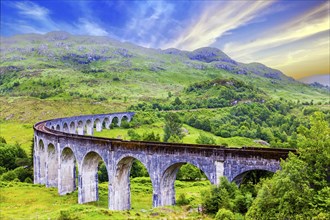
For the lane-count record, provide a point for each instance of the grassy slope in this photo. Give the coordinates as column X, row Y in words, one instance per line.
column 189, row 137
column 29, row 201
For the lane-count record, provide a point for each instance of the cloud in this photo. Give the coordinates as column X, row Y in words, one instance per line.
column 312, row 22
column 148, row 24
column 299, row 47
column 91, row 28
column 31, row 9
column 216, row 20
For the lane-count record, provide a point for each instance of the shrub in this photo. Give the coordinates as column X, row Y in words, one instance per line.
column 183, row 200
column 28, row 180
column 3, row 140
column 224, row 214
column 2, row 170
column 8, row 176
column 66, row 215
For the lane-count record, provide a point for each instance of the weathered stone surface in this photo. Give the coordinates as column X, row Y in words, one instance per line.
column 60, row 150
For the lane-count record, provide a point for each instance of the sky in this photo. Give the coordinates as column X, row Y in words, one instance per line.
column 290, row 35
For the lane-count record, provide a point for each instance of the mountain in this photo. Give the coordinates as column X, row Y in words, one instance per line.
column 317, row 80
column 62, row 67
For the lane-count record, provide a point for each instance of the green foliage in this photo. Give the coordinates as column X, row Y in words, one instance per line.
column 150, row 136
column 224, row 214
column 9, row 176
column 3, row 140
column 204, row 139
column 138, row 170
column 133, row 135
column 183, row 200
column 295, row 191
column 67, row 215
column 172, row 128
column 102, row 173
column 28, row 180
column 2, row 170
column 9, row 155
column 189, row 172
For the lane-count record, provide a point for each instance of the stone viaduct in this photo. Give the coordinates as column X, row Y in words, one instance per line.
column 65, row 148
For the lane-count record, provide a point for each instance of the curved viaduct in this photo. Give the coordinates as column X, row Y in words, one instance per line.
column 65, row 148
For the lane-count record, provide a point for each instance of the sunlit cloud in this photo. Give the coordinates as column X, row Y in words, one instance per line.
column 305, row 36
column 216, row 20
column 315, row 21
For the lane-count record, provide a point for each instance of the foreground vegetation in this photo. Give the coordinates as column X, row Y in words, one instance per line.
column 191, row 97
column 29, row 201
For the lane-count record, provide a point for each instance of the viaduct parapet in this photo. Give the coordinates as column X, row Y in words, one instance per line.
column 66, row 147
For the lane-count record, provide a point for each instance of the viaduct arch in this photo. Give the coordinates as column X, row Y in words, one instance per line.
column 65, row 147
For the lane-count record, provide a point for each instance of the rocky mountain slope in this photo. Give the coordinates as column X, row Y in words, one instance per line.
column 60, row 66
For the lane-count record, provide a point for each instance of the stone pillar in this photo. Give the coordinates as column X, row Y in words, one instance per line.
column 90, row 129
column 36, row 166
column 80, row 129
column 67, row 172
column 156, row 193
column 219, row 167
column 52, row 166
column 98, row 125
column 119, row 189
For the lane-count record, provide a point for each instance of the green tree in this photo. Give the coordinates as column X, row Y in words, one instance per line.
column 224, row 214
column 204, row 139
column 138, row 170
column 301, row 190
column 172, row 128
column 150, row 136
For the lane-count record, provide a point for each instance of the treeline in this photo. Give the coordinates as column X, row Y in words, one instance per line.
column 15, row 165
column 217, row 93
column 300, row 190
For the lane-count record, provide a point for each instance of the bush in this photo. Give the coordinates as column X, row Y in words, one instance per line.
column 183, row 200
column 224, row 214
column 22, row 173
column 2, row 170
column 66, row 215
column 8, row 176
column 2, row 140
column 28, row 180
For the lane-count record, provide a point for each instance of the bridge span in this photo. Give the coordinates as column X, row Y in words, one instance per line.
column 65, row 147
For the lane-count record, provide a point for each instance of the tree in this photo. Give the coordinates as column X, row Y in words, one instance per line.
column 301, row 190
column 203, row 139
column 172, row 128
column 189, row 172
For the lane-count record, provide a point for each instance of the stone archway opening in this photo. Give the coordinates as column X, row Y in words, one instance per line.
column 89, row 187
column 132, row 187
column 68, row 172
column 177, row 178
column 114, row 122
column 80, row 128
column 52, row 166
column 72, row 128
column 124, row 122
column 252, row 177
column 106, row 123
column 65, row 128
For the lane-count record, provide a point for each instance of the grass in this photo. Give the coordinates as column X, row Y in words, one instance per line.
column 191, row 134
column 29, row 201
column 17, row 133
